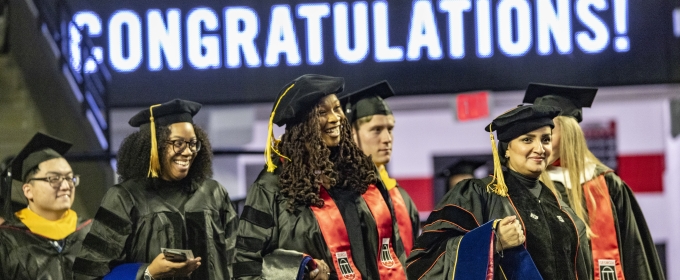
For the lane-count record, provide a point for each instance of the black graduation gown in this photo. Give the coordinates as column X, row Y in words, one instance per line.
column 139, row 217
column 555, row 237
column 29, row 256
column 266, row 227
column 639, row 258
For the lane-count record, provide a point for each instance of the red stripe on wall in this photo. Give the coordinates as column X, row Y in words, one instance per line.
column 420, row 190
column 643, row 173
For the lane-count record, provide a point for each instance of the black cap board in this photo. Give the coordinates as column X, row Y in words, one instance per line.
column 301, row 94
column 523, row 119
column 40, row 148
column 462, row 166
column 173, row 111
column 368, row 101
column 568, row 98
column 510, row 125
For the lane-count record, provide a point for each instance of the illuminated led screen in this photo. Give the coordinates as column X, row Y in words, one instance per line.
column 244, row 51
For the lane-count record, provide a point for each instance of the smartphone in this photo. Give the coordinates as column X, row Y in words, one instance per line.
column 174, row 255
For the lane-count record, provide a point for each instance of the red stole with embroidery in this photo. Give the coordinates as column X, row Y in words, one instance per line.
column 337, row 240
column 604, row 243
column 403, row 220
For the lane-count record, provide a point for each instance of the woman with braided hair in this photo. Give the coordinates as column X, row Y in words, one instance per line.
column 318, row 209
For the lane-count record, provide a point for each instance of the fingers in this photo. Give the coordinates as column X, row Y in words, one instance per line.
column 520, row 232
column 193, row 264
column 314, row 273
column 510, row 232
column 508, row 220
column 323, row 270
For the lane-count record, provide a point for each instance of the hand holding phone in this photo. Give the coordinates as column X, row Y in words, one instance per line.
column 173, row 263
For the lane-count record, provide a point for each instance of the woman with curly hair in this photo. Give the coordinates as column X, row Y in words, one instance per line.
column 318, row 209
column 166, row 201
column 620, row 240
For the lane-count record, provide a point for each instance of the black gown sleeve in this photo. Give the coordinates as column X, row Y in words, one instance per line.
column 638, row 253
column 103, row 247
column 256, row 235
column 230, row 222
column 4, row 259
column 436, row 249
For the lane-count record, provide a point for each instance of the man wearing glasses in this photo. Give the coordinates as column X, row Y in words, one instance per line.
column 41, row 240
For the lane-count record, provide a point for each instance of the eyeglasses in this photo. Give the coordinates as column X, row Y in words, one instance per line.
column 178, row 146
column 55, row 181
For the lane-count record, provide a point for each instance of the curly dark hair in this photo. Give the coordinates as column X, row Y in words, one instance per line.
column 311, row 160
column 133, row 155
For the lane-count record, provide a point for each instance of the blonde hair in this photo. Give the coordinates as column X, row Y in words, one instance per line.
column 359, row 122
column 573, row 156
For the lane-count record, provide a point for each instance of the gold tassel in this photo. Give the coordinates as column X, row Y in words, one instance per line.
column 270, row 137
column 154, row 162
column 499, row 188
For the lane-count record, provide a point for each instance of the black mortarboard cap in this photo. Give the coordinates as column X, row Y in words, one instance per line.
column 462, row 166
column 521, row 120
column 173, row 111
column 301, row 94
column 368, row 101
column 510, row 125
column 42, row 147
column 568, row 98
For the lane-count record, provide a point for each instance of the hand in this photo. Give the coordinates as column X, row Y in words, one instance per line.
column 509, row 233
column 161, row 268
column 322, row 271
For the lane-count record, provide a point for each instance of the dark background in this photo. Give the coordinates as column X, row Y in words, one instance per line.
column 654, row 57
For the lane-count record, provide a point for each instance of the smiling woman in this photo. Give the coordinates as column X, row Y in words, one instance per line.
column 528, row 154
column 319, row 197
column 511, row 214
column 166, row 200
column 177, row 159
column 330, row 117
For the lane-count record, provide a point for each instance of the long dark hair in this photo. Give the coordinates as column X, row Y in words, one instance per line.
column 133, row 155
column 311, row 160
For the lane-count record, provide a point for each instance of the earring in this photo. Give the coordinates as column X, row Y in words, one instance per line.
column 507, row 156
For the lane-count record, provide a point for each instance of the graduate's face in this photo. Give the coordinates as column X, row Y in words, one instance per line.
column 375, row 138
column 45, row 198
column 177, row 161
column 556, row 137
column 330, row 115
column 528, row 154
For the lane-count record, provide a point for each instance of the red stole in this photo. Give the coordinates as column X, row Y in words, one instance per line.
column 403, row 220
column 604, row 243
column 337, row 240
